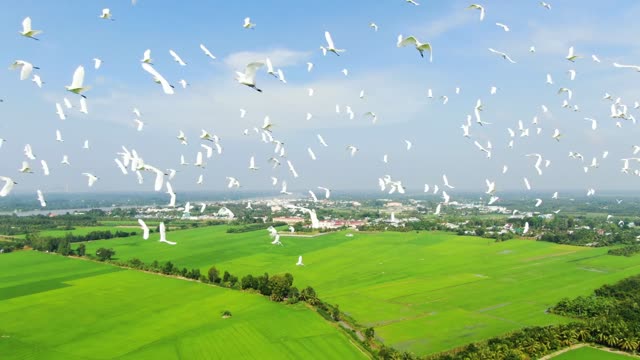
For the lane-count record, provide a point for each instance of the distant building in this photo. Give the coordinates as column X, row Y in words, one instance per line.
column 288, row 220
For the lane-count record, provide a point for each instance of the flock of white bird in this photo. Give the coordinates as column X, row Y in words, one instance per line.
column 129, row 161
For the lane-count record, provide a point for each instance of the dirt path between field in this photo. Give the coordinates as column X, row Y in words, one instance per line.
column 559, row 352
column 303, row 236
column 578, row 346
column 346, row 325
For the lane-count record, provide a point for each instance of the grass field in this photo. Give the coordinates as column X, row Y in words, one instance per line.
column 589, row 353
column 423, row 292
column 53, row 307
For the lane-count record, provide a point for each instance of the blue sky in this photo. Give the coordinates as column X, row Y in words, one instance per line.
column 290, row 33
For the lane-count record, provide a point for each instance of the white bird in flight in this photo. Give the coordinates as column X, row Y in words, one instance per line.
column 163, row 235
column 292, row 169
column 172, row 194
column 7, row 187
column 321, row 140
column 248, row 78
column 478, row 7
column 146, row 57
column 594, row 123
column 106, row 14
column 83, row 106
column 233, row 182
column 252, row 164
column 43, row 203
column 571, row 56
column 446, row 182
column 45, row 168
column 27, row 31
column 312, row 155
column 25, row 169
column 409, row 144
column 37, row 80
column 421, row 47
column 77, row 86
column 503, row 26
column 503, row 55
column 157, row 77
column 91, row 179
column 60, row 112
column 145, row 229
column 327, row 192
column 248, row 24
column 25, row 68
column 330, row 46
column 633, row 67
column 207, row 52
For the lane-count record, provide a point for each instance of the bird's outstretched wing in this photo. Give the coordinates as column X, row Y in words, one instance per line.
column 410, row 40
column 166, row 87
column 251, row 69
column 327, row 36
column 78, row 78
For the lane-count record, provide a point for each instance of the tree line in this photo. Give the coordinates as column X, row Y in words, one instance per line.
column 62, row 244
column 629, row 250
column 12, row 225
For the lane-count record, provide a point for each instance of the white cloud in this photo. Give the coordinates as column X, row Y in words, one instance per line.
column 445, row 24
column 279, row 57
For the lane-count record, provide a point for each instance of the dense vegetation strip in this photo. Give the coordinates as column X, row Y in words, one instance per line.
column 625, row 251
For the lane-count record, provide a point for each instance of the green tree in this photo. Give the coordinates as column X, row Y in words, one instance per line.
column 213, row 275
column 248, row 282
column 294, row 295
column 263, row 284
column 226, row 276
column 309, row 295
column 64, row 247
column 167, row 268
column 335, row 313
column 81, row 250
column 136, row 263
column 369, row 333
column 279, row 286
column 194, row 274
column 105, row 254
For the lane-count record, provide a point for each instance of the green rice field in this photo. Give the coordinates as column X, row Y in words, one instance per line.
column 589, row 353
column 52, row 307
column 423, row 292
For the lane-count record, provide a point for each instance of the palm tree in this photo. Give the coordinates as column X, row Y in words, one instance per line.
column 612, row 340
column 583, row 334
column 628, row 344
